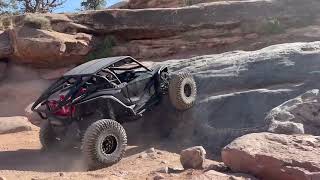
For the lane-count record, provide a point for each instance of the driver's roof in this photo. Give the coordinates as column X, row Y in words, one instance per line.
column 94, row 66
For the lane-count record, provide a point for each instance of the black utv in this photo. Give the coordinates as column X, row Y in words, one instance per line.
column 100, row 95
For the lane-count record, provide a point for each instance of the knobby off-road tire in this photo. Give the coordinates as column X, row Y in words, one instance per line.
column 104, row 143
column 182, row 91
column 47, row 136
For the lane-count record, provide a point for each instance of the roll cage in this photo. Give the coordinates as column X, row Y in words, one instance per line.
column 87, row 78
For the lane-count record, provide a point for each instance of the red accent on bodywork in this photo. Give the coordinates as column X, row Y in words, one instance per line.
column 64, row 110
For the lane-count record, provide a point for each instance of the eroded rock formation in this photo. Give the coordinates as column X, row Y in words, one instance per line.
column 272, row 156
column 236, row 91
column 153, row 34
column 297, row 116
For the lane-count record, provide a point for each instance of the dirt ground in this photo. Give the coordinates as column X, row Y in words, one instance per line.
column 21, row 158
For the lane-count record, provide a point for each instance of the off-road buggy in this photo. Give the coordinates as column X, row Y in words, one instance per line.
column 100, row 95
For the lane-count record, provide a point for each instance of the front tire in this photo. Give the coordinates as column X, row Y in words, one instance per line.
column 47, row 136
column 104, row 143
column 182, row 91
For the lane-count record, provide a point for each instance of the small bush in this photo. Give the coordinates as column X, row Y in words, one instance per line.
column 102, row 49
column 36, row 21
column 188, row 2
column 273, row 26
column 5, row 22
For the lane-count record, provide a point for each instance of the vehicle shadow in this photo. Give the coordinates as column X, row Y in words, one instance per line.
column 35, row 160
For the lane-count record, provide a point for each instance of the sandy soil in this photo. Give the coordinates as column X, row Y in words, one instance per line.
column 21, row 158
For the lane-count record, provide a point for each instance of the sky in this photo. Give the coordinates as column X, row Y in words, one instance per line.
column 73, row 5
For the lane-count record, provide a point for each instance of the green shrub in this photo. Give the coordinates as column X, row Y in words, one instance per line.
column 273, row 26
column 102, row 49
column 36, row 21
column 188, row 2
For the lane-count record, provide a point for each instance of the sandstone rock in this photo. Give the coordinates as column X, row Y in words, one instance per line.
column 120, row 5
column 212, row 175
column 5, row 45
column 164, row 162
column 236, row 92
column 32, row 116
column 180, row 34
column 158, row 177
column 141, row 4
column 143, row 155
column 54, row 74
column 163, row 170
column 150, row 150
column 48, row 48
column 139, row 32
column 20, row 87
column 274, row 156
column 214, row 165
column 286, row 127
column 297, row 116
column 14, row 124
column 174, row 170
column 193, row 157
column 3, row 68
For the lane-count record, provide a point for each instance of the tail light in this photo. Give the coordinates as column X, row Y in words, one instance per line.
column 64, row 110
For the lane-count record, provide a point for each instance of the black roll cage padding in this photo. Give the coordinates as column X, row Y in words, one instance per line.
column 132, row 60
column 124, row 69
column 110, row 98
column 112, row 73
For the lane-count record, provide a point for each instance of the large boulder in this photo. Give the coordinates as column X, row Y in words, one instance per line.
column 273, row 156
column 49, row 48
column 297, row 116
column 14, row 124
column 193, row 157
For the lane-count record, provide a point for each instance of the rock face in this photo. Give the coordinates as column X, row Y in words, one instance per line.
column 20, row 87
column 153, row 34
column 297, row 116
column 5, row 45
column 3, row 68
column 236, row 91
column 14, row 124
column 141, row 4
column 272, row 156
column 47, row 48
column 193, row 157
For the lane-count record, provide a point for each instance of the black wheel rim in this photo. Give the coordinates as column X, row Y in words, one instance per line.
column 187, row 90
column 109, row 144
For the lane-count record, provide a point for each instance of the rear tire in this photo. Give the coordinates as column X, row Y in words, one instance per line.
column 47, row 136
column 104, row 143
column 182, row 91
